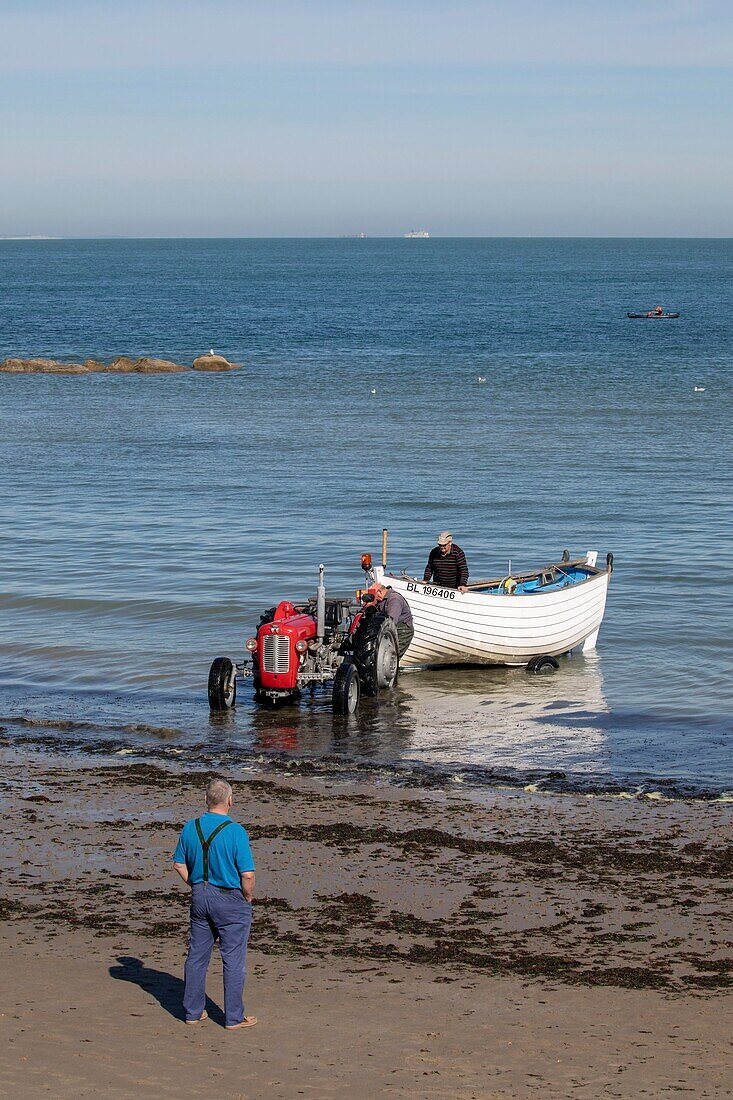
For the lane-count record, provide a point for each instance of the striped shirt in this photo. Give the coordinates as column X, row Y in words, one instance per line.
column 448, row 569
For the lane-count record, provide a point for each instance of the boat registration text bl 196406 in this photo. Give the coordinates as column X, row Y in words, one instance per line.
column 442, row 593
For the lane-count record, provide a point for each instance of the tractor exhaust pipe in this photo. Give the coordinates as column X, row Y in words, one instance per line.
column 385, row 535
column 321, row 606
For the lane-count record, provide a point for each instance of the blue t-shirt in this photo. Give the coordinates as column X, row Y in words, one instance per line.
column 229, row 855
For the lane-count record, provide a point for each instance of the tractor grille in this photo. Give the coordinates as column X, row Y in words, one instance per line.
column 276, row 653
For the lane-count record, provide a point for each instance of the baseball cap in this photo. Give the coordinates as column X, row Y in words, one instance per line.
column 443, row 537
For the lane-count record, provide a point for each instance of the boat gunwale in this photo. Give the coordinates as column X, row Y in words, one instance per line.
column 478, row 587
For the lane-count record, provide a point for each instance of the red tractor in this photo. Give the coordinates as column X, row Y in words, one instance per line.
column 340, row 641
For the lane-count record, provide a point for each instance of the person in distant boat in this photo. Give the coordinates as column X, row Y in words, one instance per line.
column 658, row 311
column 396, row 606
column 447, row 564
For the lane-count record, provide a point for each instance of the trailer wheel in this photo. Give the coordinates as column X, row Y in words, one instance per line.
column 541, row 663
column 222, row 684
column 376, row 652
column 346, row 689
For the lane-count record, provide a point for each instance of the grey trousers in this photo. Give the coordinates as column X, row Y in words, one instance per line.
column 405, row 634
column 226, row 916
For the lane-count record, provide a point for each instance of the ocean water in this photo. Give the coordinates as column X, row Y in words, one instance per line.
column 147, row 521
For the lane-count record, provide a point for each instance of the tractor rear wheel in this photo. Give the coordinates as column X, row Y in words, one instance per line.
column 346, row 689
column 376, row 652
column 222, row 684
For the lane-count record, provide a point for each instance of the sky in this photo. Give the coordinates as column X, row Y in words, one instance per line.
column 332, row 117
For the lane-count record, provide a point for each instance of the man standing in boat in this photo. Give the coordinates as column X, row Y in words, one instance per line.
column 447, row 564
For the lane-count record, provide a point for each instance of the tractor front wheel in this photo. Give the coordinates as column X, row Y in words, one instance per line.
column 346, row 689
column 222, row 684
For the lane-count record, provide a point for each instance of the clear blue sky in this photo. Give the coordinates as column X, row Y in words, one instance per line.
column 326, row 117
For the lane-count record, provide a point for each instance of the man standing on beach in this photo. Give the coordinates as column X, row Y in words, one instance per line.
column 213, row 856
column 447, row 564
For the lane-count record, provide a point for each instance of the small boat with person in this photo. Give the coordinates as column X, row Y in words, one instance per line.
column 520, row 619
column 656, row 314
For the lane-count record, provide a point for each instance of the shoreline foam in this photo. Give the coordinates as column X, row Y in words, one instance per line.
column 142, row 740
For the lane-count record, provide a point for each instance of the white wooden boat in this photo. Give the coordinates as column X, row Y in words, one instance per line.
column 507, row 621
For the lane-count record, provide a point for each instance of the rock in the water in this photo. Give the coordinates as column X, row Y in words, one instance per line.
column 148, row 365
column 121, row 365
column 213, row 362
column 16, row 366
column 145, row 365
column 41, row 366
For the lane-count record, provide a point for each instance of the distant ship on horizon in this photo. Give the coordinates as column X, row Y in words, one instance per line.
column 417, row 233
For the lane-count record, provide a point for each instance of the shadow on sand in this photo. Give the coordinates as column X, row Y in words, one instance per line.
column 165, row 987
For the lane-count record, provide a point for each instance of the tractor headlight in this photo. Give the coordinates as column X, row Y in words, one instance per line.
column 301, row 646
column 251, row 645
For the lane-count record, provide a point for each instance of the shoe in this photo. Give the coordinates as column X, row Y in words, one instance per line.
column 204, row 1016
column 248, row 1021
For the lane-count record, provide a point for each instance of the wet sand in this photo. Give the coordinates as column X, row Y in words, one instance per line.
column 404, row 943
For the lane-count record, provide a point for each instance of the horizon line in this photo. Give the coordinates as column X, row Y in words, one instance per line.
column 45, row 238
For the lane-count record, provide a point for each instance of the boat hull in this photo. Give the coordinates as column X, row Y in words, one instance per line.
column 653, row 316
column 479, row 628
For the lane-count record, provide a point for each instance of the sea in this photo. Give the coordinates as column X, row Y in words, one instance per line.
column 147, row 521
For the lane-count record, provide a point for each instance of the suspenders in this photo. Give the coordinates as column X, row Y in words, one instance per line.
column 206, row 844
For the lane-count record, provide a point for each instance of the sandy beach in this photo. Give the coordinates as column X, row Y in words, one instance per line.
column 404, row 943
